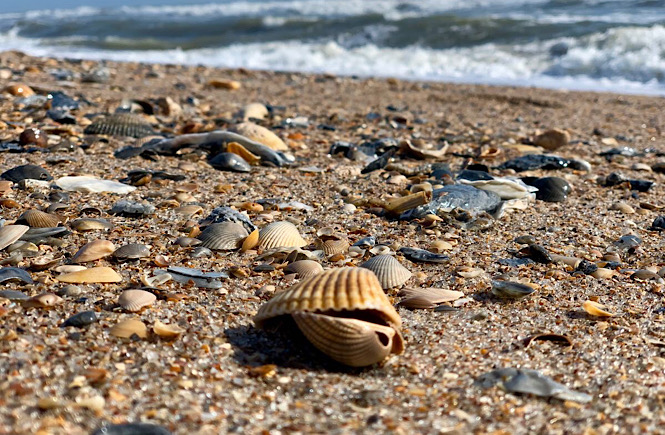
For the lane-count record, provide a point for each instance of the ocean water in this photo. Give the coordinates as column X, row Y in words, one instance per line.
column 605, row 45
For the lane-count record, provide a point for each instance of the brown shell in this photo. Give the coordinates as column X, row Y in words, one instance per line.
column 353, row 342
column 127, row 328
column 38, row 219
column 11, row 233
column 134, row 300
column 261, row 134
column 44, row 300
column 596, row 309
column 93, row 251
column 280, row 234
column 332, row 244
column 388, row 270
column 92, row 275
column 167, row 331
column 346, row 289
column 223, row 236
column 304, row 268
column 89, row 224
column 120, row 124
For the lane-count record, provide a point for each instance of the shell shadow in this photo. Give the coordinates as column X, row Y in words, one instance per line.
column 286, row 347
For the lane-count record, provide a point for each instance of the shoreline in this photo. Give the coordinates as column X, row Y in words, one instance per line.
column 224, row 375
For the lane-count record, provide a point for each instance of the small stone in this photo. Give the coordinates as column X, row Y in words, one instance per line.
column 622, row 207
column 552, row 139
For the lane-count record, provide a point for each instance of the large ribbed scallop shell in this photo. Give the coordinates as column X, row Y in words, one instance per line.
column 223, row 236
column 38, row 219
column 353, row 342
column 134, row 300
column 120, row 124
column 11, row 233
column 346, row 289
column 280, row 234
column 389, row 271
column 93, row 251
column 304, row 268
column 262, row 135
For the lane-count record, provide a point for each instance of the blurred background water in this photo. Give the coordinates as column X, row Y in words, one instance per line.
column 614, row 45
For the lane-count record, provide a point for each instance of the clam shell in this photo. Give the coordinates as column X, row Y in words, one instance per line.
column 280, row 234
column 262, row 135
column 251, row 241
column 11, row 233
column 88, row 224
column 596, row 309
column 38, row 219
column 427, row 297
column 388, row 270
column 129, row 327
column 132, row 251
column 134, row 300
column 511, row 290
column 343, row 290
column 332, row 245
column 44, row 300
column 223, row 236
column 92, row 275
column 166, row 331
column 353, row 342
column 229, row 162
column 26, row 172
column 254, row 110
column 120, row 124
column 93, row 251
column 304, row 268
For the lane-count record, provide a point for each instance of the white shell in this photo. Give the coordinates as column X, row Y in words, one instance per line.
column 87, row 184
column 280, row 234
column 11, row 233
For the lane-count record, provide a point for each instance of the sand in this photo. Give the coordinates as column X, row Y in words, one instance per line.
column 224, row 375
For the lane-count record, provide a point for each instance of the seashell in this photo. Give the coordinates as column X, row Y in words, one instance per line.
column 421, row 151
column 129, row 327
column 596, row 309
column 155, row 280
column 14, row 274
column 88, row 224
column 236, row 148
column 227, row 214
column 79, row 320
column 223, row 236
column 44, row 300
column 201, row 279
column 230, row 85
column 42, row 235
column 93, row 251
column 254, row 111
column 10, row 234
column 13, row 295
column 399, row 205
column 570, row 261
column 353, row 342
column 511, row 290
column 552, row 139
column 262, row 135
column 332, row 244
column 27, row 249
column 134, row 300
column 189, row 210
column 132, row 251
column 423, row 256
column 166, row 331
column 555, row 338
column 92, row 275
column 551, row 189
column 367, row 242
column 19, row 90
column 280, row 234
column 304, row 268
column 69, row 268
column 427, row 297
column 388, row 270
column 88, row 184
column 132, row 208
column 120, row 124
column 229, row 162
column 603, row 273
column 26, row 172
column 623, row 207
column 645, row 275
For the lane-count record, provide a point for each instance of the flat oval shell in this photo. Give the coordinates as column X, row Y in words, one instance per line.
column 132, row 251
column 38, row 219
column 92, row 275
column 11, row 233
column 352, row 342
column 14, row 273
column 415, row 297
column 127, row 328
column 388, row 270
column 304, row 268
column 93, row 251
column 511, row 290
column 336, row 290
column 280, row 234
column 88, row 224
column 44, row 300
column 262, row 135
column 254, row 110
column 223, row 236
column 134, row 300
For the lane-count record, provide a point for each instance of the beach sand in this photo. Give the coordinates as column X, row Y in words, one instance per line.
column 223, row 375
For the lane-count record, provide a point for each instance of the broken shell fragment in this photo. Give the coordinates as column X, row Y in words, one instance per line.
column 11, row 233
column 201, row 279
column 92, row 275
column 596, row 309
column 167, row 331
column 423, row 298
column 128, row 328
column 38, row 219
column 120, row 124
column 236, row 148
column 223, row 236
column 135, row 300
column 511, row 290
column 44, row 300
column 88, row 224
column 388, row 270
column 332, row 244
column 280, row 234
column 408, row 202
column 304, row 268
column 93, row 251
column 251, row 241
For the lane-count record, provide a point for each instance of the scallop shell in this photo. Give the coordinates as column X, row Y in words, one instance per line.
column 262, row 135
column 11, row 233
column 389, row 271
column 132, row 251
column 280, row 234
column 343, row 290
column 427, row 297
column 167, row 331
column 134, row 300
column 129, row 327
column 88, row 224
column 93, row 251
column 304, row 268
column 38, row 219
column 92, row 275
column 353, row 342
column 223, row 236
column 596, row 309
column 332, row 244
column 120, row 124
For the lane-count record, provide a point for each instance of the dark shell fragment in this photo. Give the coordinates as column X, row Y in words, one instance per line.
column 79, row 320
column 530, row 162
column 423, row 256
column 227, row 214
column 230, row 162
column 550, row 189
column 456, row 196
column 26, row 172
column 131, row 209
column 15, row 273
column 132, row 429
column 120, row 124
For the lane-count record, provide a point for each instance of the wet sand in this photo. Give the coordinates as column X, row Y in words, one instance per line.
column 217, row 377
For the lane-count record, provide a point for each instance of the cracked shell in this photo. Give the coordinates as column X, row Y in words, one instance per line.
column 280, row 234
column 388, row 270
column 134, row 300
column 223, row 236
